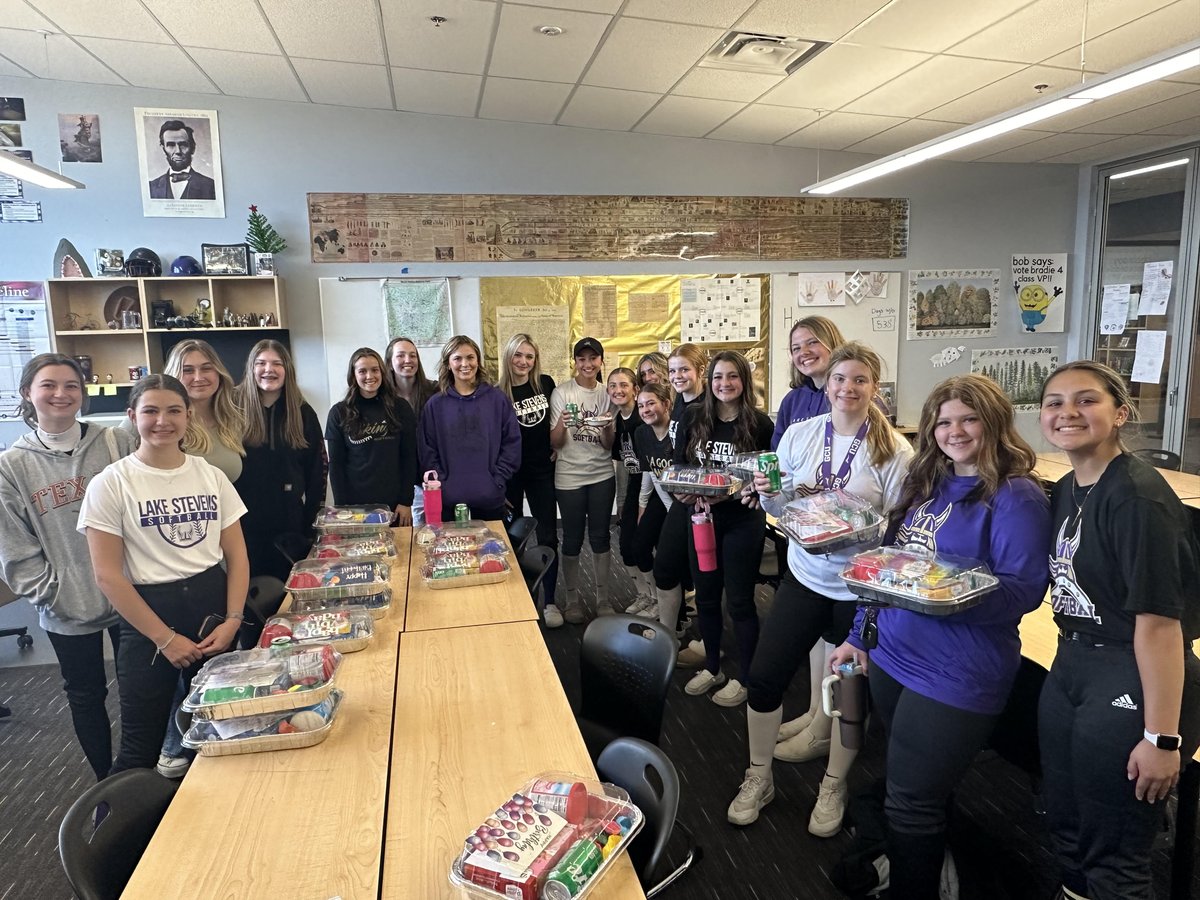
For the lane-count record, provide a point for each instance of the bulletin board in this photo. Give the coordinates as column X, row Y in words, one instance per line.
column 630, row 315
column 876, row 321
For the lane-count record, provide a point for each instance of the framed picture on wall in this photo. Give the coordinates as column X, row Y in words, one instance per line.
column 226, row 259
column 179, row 163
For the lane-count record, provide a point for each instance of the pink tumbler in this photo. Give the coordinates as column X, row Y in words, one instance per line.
column 706, row 542
column 433, row 498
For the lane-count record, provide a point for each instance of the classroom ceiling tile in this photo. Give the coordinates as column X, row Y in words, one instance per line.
column 520, row 51
column 460, row 44
column 999, row 144
column 1107, row 151
column 344, row 84
column 1149, row 117
column 762, row 124
column 1008, row 93
column 1136, row 40
column 1043, row 147
column 906, row 134
column 219, row 24
column 607, row 108
column 716, row 13
column 838, row 130
column 840, row 74
column 347, row 32
column 110, row 18
column 161, row 66
column 930, row 26
column 931, row 84
column 8, row 67
column 437, row 93
column 649, row 56
column 56, row 56
column 818, row 20
column 687, row 116
column 598, row 6
column 517, row 100
column 19, row 14
column 1100, row 110
column 242, row 74
column 1185, row 128
column 718, row 84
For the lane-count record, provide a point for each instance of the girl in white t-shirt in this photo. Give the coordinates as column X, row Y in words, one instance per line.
column 158, row 524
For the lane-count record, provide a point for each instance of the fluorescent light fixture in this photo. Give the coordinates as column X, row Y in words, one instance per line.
column 35, row 174
column 1138, row 77
column 1161, row 66
column 1154, row 168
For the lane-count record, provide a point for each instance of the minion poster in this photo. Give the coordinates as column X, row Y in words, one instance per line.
column 1039, row 282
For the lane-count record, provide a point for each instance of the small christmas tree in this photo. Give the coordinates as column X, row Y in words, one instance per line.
column 262, row 236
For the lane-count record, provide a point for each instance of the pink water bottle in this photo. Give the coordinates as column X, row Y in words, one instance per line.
column 706, row 542
column 433, row 498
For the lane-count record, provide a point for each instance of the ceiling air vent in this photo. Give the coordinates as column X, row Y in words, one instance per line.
column 769, row 54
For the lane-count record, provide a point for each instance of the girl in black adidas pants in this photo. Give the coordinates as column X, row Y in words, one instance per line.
column 1120, row 710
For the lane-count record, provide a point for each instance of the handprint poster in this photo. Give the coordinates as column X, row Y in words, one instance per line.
column 1039, row 287
column 821, row 289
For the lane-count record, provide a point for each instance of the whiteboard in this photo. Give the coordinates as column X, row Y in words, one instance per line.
column 876, row 322
column 352, row 317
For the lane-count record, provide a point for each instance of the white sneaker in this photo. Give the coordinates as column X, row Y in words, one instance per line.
column 651, row 611
column 755, row 793
column 703, row 682
column 948, row 885
column 638, row 605
column 172, row 766
column 826, row 818
column 733, row 694
column 575, row 613
column 794, row 726
column 802, row 748
column 552, row 616
column 605, row 608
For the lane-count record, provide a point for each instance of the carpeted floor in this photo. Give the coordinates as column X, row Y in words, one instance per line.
column 997, row 837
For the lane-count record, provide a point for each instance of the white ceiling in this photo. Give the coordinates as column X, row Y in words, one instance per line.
column 898, row 72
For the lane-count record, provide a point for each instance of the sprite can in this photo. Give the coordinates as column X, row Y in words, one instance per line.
column 768, row 464
column 461, row 513
column 567, row 879
column 572, row 411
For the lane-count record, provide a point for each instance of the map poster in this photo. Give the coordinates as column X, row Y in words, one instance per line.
column 418, row 310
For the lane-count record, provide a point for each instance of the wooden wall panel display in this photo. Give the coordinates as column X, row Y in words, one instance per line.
column 509, row 227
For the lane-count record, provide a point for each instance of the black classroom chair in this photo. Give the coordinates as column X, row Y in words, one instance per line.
column 774, row 558
column 105, row 832
column 520, row 532
column 263, row 600
column 535, row 562
column 1160, row 459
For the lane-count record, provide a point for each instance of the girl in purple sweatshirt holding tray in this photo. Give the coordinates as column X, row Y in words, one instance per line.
column 469, row 434
column 940, row 682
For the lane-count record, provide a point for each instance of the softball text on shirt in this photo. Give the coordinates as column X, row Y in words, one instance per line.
column 181, row 521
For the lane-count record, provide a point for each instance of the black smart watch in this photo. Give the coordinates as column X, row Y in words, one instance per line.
column 1164, row 741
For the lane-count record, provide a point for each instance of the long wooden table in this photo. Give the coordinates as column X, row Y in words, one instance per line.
column 478, row 711
column 491, row 604
column 295, row 824
column 1053, row 466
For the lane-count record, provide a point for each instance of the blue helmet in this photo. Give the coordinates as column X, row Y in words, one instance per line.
column 186, row 265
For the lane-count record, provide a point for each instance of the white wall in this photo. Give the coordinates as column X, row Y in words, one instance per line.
column 963, row 215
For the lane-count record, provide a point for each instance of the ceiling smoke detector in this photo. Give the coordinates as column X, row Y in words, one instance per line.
column 769, row 54
column 550, row 30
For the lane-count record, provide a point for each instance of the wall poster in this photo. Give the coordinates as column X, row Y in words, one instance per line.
column 179, row 161
column 418, row 310
column 1039, row 288
column 947, row 303
column 1020, row 372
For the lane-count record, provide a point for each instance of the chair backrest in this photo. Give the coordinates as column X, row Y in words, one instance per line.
column 625, row 665
column 263, row 599
column 774, row 558
column 650, row 779
column 105, row 831
column 293, row 546
column 1015, row 736
column 520, row 531
column 1160, row 459
column 535, row 562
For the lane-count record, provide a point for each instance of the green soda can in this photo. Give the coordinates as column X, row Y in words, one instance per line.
column 768, row 464
column 572, row 411
column 573, row 871
column 462, row 513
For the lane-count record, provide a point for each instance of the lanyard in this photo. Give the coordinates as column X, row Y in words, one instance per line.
column 827, row 481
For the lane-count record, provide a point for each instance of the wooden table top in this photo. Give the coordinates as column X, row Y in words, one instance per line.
column 469, row 730
column 1052, row 466
column 290, row 823
column 491, row 604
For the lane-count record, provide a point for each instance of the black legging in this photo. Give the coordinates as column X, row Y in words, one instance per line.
column 591, row 503
column 646, row 532
column 627, row 518
column 671, row 555
column 81, row 661
column 538, row 490
column 740, row 533
column 798, row 616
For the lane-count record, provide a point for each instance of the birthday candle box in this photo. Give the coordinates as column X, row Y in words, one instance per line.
column 353, row 519
column 931, row 583
column 337, row 546
column 831, row 521
column 553, row 839
column 334, row 579
column 347, row 629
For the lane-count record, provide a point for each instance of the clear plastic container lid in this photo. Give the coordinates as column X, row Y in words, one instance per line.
column 427, row 534
column 337, row 546
column 464, row 569
column 703, row 481
column 377, row 604
column 451, row 540
column 353, row 519
column 744, row 465
column 262, row 673
column 246, row 728
column 335, row 579
column 329, row 626
column 555, row 837
column 915, row 579
column 831, row 520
